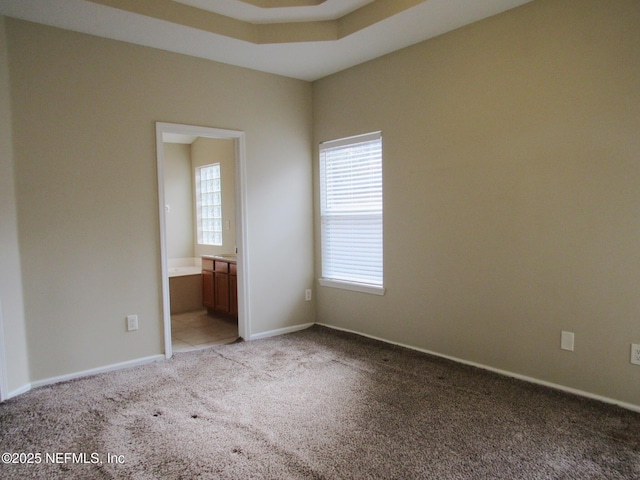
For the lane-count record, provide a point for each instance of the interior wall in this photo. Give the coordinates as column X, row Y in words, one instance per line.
column 178, row 191
column 84, row 112
column 11, row 294
column 511, row 173
column 206, row 151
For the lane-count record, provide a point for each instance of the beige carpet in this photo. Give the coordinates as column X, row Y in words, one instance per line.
column 315, row 404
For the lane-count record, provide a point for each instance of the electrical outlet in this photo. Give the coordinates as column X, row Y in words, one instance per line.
column 132, row 322
column 635, row 353
column 307, row 295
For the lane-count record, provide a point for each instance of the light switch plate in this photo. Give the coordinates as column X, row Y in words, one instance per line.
column 567, row 341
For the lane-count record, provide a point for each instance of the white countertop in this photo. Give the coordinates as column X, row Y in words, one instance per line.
column 230, row 257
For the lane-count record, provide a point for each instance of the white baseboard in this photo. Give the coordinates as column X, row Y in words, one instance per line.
column 280, row 331
column 19, row 391
column 137, row 362
column 581, row 393
column 107, row 368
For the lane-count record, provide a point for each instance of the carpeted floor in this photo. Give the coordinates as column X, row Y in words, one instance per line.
column 316, row 404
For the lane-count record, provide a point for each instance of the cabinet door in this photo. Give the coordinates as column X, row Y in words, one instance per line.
column 207, row 289
column 222, row 292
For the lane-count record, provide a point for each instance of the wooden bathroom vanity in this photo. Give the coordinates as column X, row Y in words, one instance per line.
column 220, row 284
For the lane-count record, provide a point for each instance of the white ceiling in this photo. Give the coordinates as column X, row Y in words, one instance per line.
column 304, row 60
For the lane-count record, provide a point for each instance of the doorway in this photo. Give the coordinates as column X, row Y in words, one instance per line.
column 168, row 133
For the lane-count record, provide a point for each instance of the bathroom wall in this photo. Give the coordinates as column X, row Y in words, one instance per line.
column 178, row 191
column 181, row 162
column 205, row 151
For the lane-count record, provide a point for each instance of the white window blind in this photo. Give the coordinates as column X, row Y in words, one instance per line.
column 209, row 204
column 351, row 209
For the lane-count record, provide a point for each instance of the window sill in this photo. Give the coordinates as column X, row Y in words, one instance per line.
column 356, row 287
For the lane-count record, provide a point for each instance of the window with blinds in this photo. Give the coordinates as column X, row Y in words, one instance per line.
column 351, row 213
column 209, row 204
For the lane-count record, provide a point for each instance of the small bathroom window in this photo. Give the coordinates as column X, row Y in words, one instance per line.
column 209, row 204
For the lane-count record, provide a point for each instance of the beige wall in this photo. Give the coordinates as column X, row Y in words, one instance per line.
column 206, row 151
column 84, row 113
column 512, row 199
column 11, row 295
column 178, row 194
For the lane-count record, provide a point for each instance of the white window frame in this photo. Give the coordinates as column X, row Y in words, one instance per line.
column 214, row 215
column 334, row 205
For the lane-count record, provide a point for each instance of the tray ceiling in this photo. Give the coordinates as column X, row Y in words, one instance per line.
column 305, row 39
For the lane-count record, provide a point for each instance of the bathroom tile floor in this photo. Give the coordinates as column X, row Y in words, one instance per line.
column 199, row 329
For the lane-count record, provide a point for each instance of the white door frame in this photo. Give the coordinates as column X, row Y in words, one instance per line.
column 4, row 388
column 244, row 317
